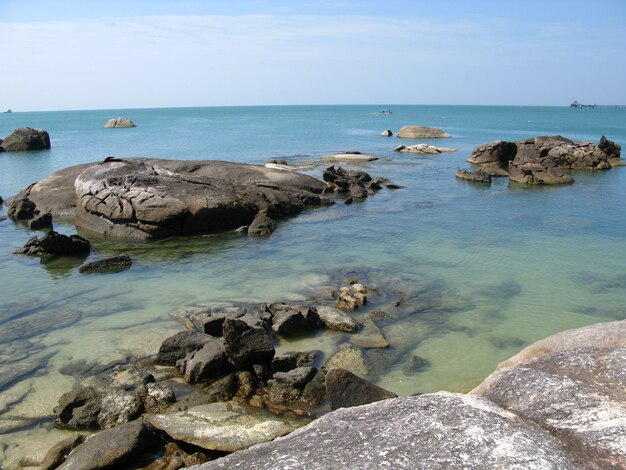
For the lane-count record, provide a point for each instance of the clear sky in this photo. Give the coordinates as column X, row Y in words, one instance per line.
column 79, row 54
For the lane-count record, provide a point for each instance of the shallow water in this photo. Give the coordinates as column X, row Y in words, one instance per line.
column 480, row 272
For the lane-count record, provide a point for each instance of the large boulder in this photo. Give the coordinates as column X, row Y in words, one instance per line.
column 421, row 132
column 138, row 198
column 498, row 153
column 26, row 138
column 120, row 122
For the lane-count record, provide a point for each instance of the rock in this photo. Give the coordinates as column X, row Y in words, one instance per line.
column 335, row 319
column 343, row 181
column 207, row 363
column 344, row 389
column 54, row 243
column 610, row 148
column 498, row 153
column 224, row 427
column 423, row 149
column 112, row 264
column 139, row 198
column 26, row 138
column 386, row 133
column 118, row 407
column 290, row 320
column 415, row 364
column 212, row 323
column 533, row 173
column 351, row 157
column 273, row 165
column 112, row 448
column 177, row 347
column 291, row 360
column 287, row 387
column 174, row 458
column 476, row 176
column 156, row 397
column 21, row 209
column 351, row 297
column 261, row 226
column 421, row 132
column 430, row 431
column 350, row 359
column 370, row 336
column 57, row 454
column 79, row 408
column 245, row 344
column 41, row 222
column 120, row 122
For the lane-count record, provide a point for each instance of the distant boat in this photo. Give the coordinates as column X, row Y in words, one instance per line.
column 8, row 111
column 385, row 111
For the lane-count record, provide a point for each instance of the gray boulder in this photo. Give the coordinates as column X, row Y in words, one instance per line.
column 178, row 346
column 120, row 122
column 138, row 198
column 498, row 153
column 207, row 363
column 344, row 389
column 335, row 319
column 289, row 320
column 246, row 344
column 421, row 132
column 261, row 226
column 112, row 448
column 291, row 360
column 476, row 176
column 26, row 138
column 288, row 386
column 79, row 408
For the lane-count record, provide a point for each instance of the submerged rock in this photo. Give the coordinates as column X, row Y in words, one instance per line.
column 421, row 132
column 26, row 138
column 120, row 122
column 112, row 264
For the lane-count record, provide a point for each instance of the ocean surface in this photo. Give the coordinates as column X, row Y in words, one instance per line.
column 479, row 271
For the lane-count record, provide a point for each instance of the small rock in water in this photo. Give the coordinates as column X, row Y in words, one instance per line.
column 112, row 264
column 21, row 209
column 262, row 226
column 118, row 123
column 386, row 133
column 415, row 364
column 477, row 176
column 41, row 222
column 54, row 243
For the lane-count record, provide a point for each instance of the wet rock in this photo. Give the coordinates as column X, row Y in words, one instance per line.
column 610, row 148
column 290, row 320
column 54, row 243
column 370, row 336
column 79, row 408
column 261, row 226
column 112, row 448
column 351, row 297
column 207, row 363
column 386, row 133
column 118, row 407
column 476, row 176
column 430, row 431
column 246, row 383
column 213, row 323
column 423, row 149
column 314, row 392
column 358, row 192
column 112, row 264
column 156, row 397
column 536, row 174
column 223, row 426
column 291, row 360
column 343, row 181
column 344, row 389
column 177, row 347
column 335, row 319
column 351, row 359
column 26, row 138
column 288, row 386
column 41, row 222
column 58, row 453
column 21, row 209
column 245, row 344
column 120, row 122
column 421, row 132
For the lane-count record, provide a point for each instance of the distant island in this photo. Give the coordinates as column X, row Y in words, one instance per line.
column 578, row 105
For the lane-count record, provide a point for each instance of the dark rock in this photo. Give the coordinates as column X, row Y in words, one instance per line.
column 26, row 138
column 54, row 243
column 79, row 408
column 289, row 320
column 476, row 176
column 246, row 384
column 261, row 226
column 498, row 153
column 291, row 360
column 415, row 364
column 212, row 323
column 120, row 122
column 112, row 448
column 57, row 454
column 177, row 347
column 1, row 200
column 533, row 173
column 222, row 389
column 386, row 133
column 278, row 161
column 288, row 386
column 245, row 344
column 342, row 180
column 344, row 389
column 358, row 192
column 41, row 222
column 139, row 198
column 421, row 132
column 207, row 363
column 314, row 392
column 112, row 264
column 348, row 201
column 21, row 209
column 610, row 148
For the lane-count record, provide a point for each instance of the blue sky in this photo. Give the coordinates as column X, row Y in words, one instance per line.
column 152, row 53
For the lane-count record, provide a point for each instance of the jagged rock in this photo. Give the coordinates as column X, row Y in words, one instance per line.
column 476, row 176
column 289, row 320
column 79, row 408
column 120, row 122
column 335, row 319
column 343, row 181
column 246, row 344
column 140, row 198
column 58, row 453
column 41, row 222
column 535, row 173
column 21, row 209
column 177, row 347
column 498, row 153
column 207, row 363
column 423, row 149
column 54, row 243
column 156, row 397
column 261, row 226
column 224, row 427
column 212, row 323
column 351, row 297
column 386, row 133
column 112, row 264
column 288, row 386
column 26, row 138
column 344, row 389
column 112, row 448
column 610, row 148
column 118, row 407
column 421, row 132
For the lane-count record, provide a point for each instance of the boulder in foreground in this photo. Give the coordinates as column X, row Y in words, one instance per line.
column 421, row 132
column 120, row 122
column 26, row 138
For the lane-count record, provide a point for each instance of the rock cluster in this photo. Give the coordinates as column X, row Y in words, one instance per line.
column 423, row 149
column 54, row 243
column 24, row 139
column 120, row 122
column 358, row 184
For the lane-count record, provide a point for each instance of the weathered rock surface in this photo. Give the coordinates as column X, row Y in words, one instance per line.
column 421, row 132
column 21, row 209
column 246, row 344
column 138, row 198
column 423, row 149
column 288, row 386
column 54, row 243
column 498, row 153
column 335, row 319
column 112, row 264
column 178, row 346
column 344, row 389
column 610, row 148
column 207, row 363
column 289, row 320
column 26, row 138
column 112, row 447
column 225, row 427
column 57, row 454
column 386, row 133
column 476, row 176
column 262, row 226
column 120, row 122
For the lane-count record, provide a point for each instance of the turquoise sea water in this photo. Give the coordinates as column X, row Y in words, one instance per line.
column 480, row 271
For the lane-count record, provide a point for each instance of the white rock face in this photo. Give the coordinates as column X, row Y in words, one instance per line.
column 120, row 122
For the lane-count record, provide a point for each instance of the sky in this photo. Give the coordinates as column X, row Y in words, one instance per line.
column 119, row 54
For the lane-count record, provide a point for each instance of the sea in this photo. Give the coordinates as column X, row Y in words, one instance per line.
column 468, row 274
